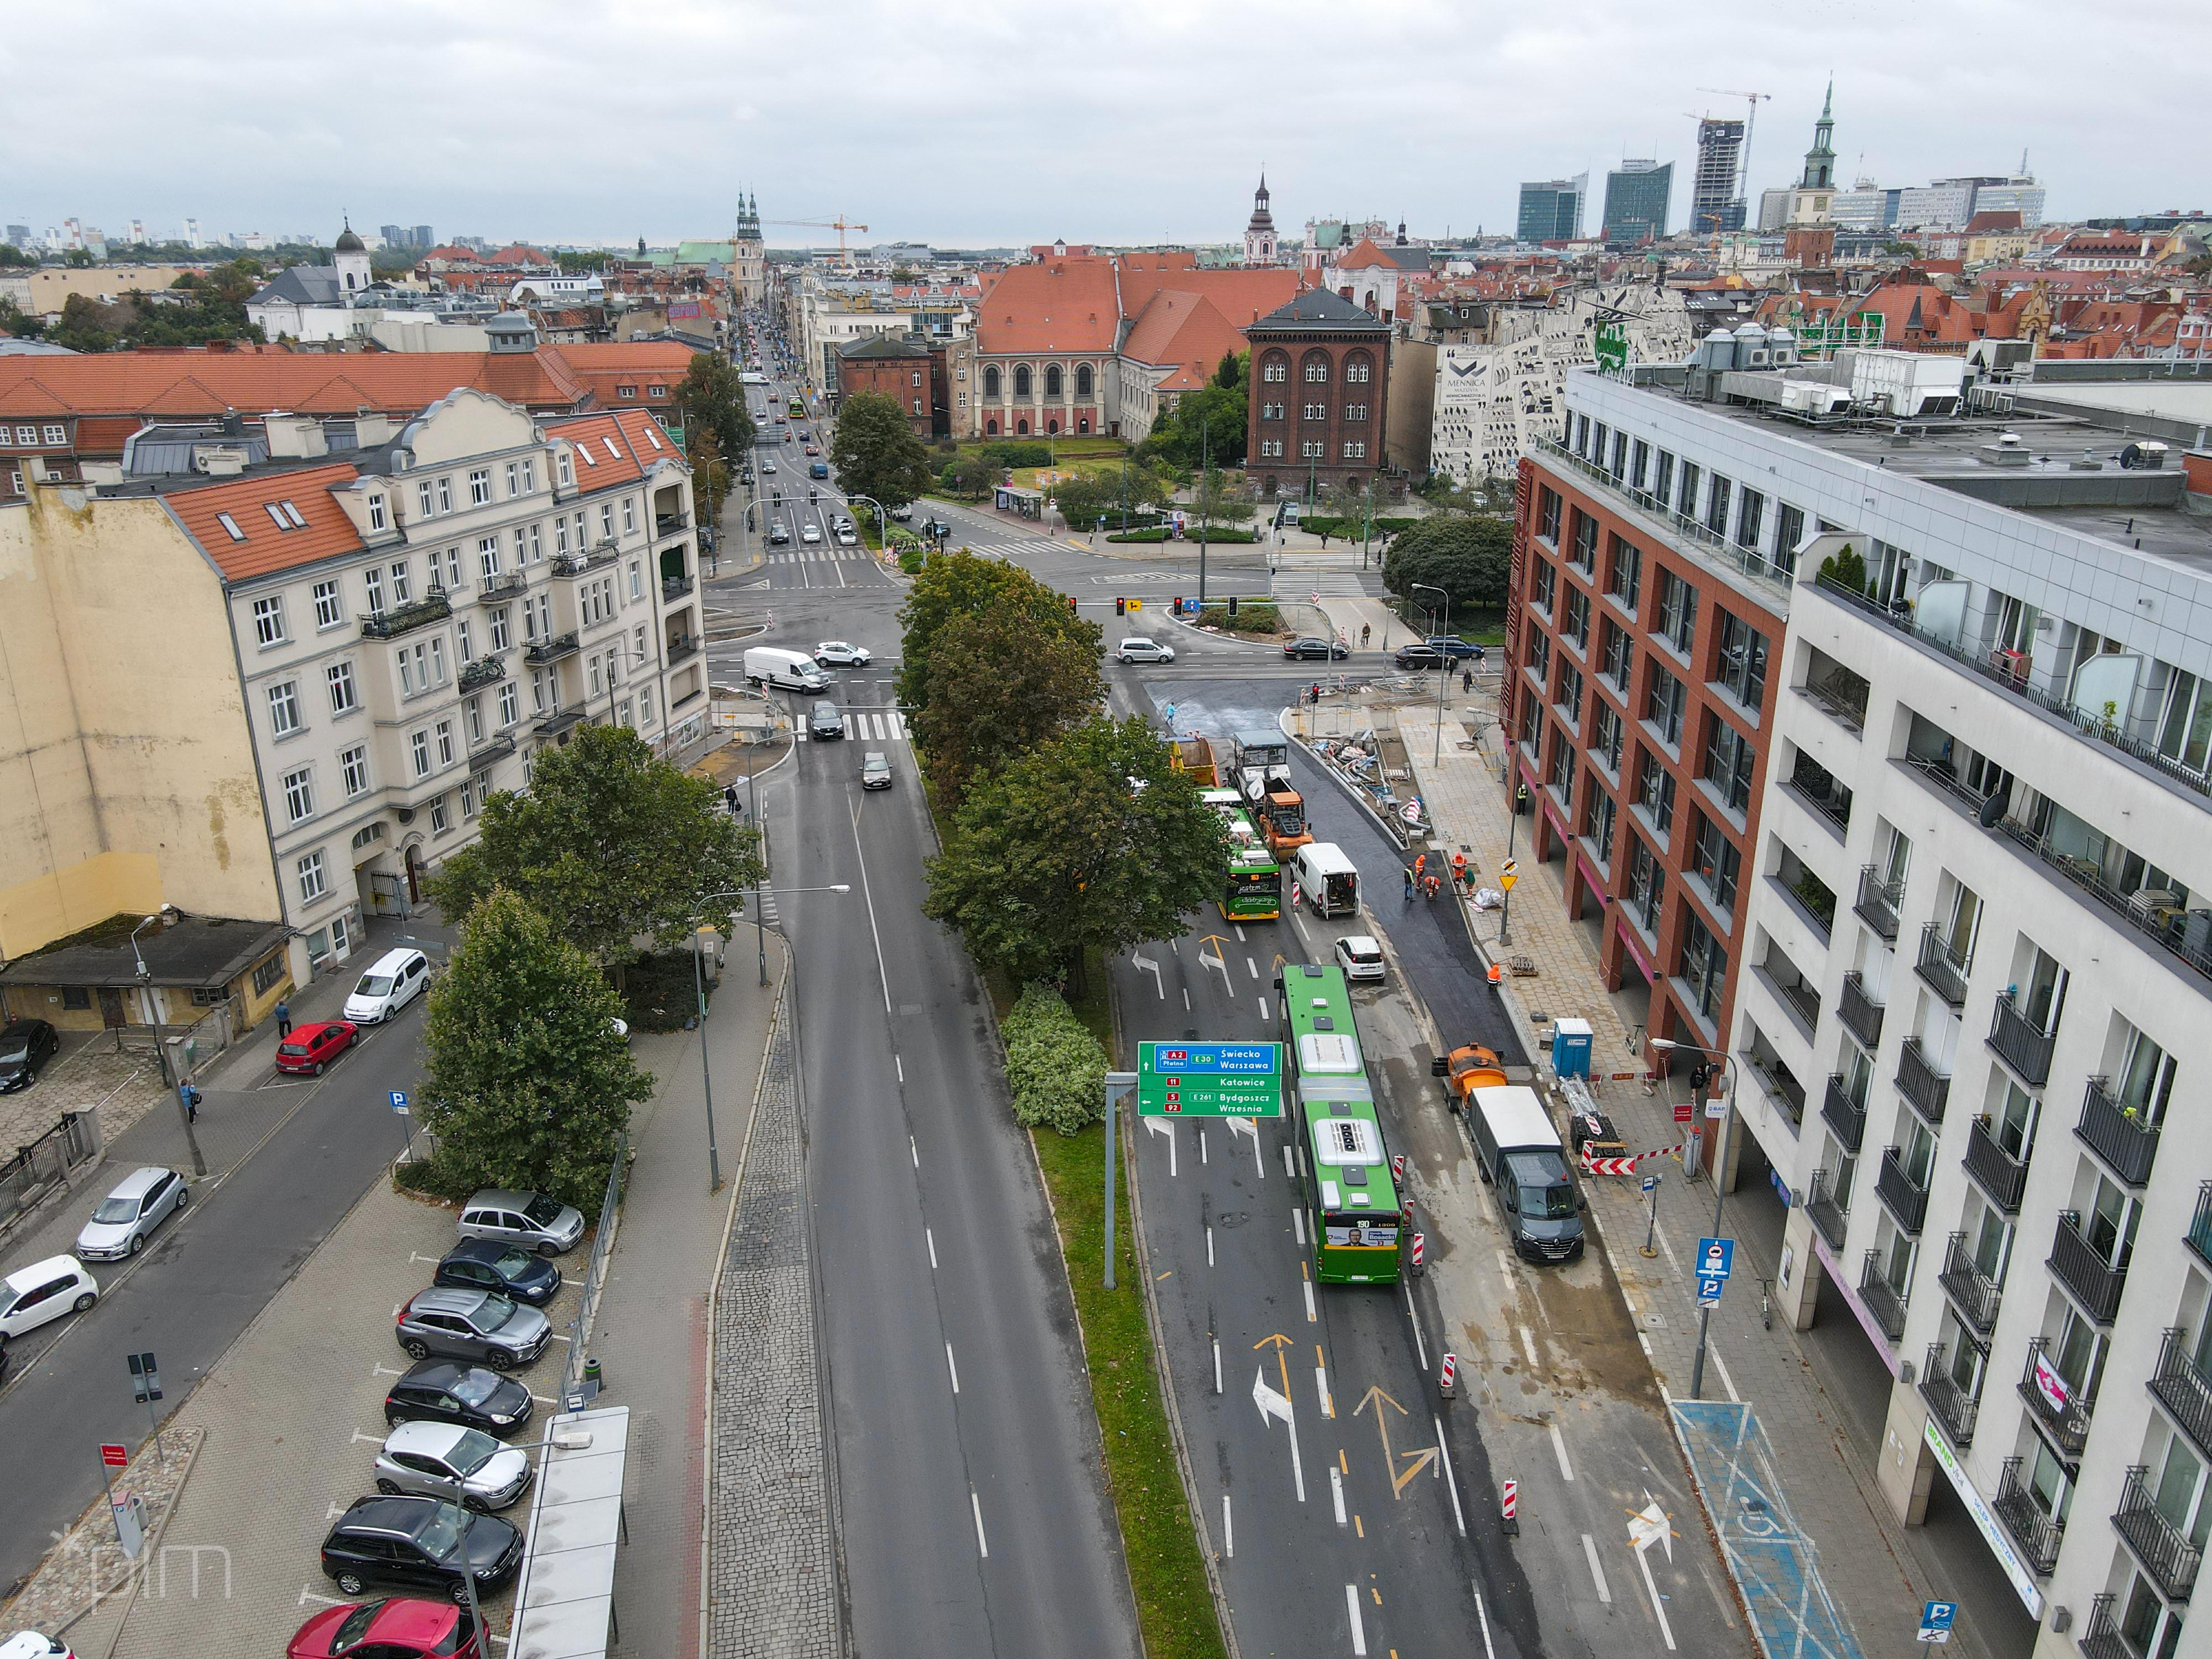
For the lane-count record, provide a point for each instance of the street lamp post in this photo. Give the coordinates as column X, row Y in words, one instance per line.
column 1667, row 1045
column 1444, row 668
column 153, row 1008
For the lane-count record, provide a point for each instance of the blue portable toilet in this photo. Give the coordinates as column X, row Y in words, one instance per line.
column 1570, row 1048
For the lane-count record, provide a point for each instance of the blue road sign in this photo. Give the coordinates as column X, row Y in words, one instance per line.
column 1708, row 1293
column 1936, row 1619
column 399, row 1102
column 1716, row 1256
column 1650, row 1183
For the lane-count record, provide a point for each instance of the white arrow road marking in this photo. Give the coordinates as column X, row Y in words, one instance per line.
column 1272, row 1404
column 1160, row 1126
column 1246, row 1126
column 1205, row 959
column 1648, row 1527
column 1146, row 964
column 1597, row 1572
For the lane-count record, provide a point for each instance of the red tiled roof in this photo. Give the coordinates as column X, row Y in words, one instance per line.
column 1058, row 305
column 260, row 546
column 619, row 447
column 1186, row 331
column 1242, row 296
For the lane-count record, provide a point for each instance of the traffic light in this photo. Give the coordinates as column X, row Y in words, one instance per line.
column 1071, row 605
column 1233, row 604
column 1175, row 606
column 1121, row 606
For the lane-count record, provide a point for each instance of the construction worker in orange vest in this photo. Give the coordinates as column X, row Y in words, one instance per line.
column 1459, row 870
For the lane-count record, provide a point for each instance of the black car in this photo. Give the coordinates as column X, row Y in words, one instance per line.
column 1420, row 656
column 408, row 1542
column 1454, row 646
column 490, row 1264
column 25, row 1045
column 448, row 1391
column 1314, row 647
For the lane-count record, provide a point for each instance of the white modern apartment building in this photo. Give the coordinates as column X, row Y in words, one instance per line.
column 1976, row 938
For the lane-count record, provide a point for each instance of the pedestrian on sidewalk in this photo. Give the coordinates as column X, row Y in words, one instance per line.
column 1366, row 631
column 1409, row 886
column 1467, row 679
column 191, row 1097
column 283, row 1018
column 730, row 798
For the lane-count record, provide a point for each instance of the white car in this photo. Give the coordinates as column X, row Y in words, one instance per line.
column 29, row 1644
column 846, row 538
column 808, row 532
column 1138, row 648
column 45, row 1291
column 126, row 1217
column 1361, row 957
column 841, row 653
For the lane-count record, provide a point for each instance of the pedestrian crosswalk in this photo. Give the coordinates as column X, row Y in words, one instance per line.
column 866, row 726
column 821, row 555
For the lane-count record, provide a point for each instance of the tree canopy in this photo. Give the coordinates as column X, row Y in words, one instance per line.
column 1213, row 413
column 1092, row 840
column 711, row 397
column 996, row 688
column 876, row 453
column 1470, row 557
column 612, row 841
column 951, row 586
column 1085, row 497
column 527, row 1082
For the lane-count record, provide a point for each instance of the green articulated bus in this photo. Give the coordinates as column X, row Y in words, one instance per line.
column 1351, row 1198
column 1253, row 888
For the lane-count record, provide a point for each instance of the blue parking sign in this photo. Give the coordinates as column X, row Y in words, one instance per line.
column 1708, row 1293
column 1716, row 1256
column 1936, row 1619
column 399, row 1102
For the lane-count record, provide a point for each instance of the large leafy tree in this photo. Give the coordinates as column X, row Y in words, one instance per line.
column 1222, row 498
column 612, row 841
column 711, row 397
column 1091, row 841
column 1207, row 426
column 528, row 1081
column 997, row 688
column 951, row 586
column 1470, row 557
column 876, row 453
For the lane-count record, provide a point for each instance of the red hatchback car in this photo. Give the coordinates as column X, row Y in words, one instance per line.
column 311, row 1048
column 396, row 1627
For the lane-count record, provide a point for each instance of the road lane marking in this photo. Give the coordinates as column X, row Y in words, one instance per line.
column 1597, row 1572
column 1185, row 998
column 1529, row 1345
column 373, row 1439
column 982, row 1547
column 1312, row 1318
column 952, row 1365
column 1336, row 1497
column 1359, row 1630
column 1209, row 1245
column 913, row 1151
column 1644, row 1342
column 1240, row 932
column 1560, row 1449
column 1480, row 1613
column 1420, row 1347
column 1298, row 1223
column 1228, row 1530
column 1289, row 1168
column 1451, row 1477
column 1727, row 1381
column 867, row 894
column 1253, row 966
column 307, row 1595
column 931, row 1237
column 1217, row 1367
column 1320, row 1387
column 1643, row 1560
column 1201, row 1144
column 1161, row 1126
column 1240, row 1126
column 901, row 1064
column 1272, row 1404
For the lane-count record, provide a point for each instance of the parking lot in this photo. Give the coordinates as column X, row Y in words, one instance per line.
column 294, row 1417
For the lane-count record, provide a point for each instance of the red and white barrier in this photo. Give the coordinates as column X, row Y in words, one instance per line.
column 1420, row 1246
column 1508, row 1505
column 1448, row 1377
column 1621, row 1166
column 1397, row 1167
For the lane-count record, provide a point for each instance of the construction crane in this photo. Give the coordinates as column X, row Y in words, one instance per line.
column 1752, row 99
column 839, row 224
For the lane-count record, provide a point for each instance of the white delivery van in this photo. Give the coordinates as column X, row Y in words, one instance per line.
column 785, row 670
column 1327, row 879
column 393, row 980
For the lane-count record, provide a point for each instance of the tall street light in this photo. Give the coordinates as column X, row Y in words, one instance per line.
column 1443, row 667
column 1667, row 1045
column 146, row 995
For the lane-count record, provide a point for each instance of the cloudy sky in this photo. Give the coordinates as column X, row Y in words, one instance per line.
column 974, row 122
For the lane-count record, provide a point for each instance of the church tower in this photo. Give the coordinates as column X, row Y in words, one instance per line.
column 1259, row 234
column 1809, row 237
column 351, row 257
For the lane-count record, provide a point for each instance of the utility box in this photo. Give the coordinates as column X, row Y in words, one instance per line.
column 1570, row 1048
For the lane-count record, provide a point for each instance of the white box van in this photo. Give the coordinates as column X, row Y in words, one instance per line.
column 1327, row 879
column 393, row 980
column 787, row 671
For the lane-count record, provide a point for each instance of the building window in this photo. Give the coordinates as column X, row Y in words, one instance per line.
column 1083, row 381
column 1715, row 861
column 513, row 479
column 1624, row 576
column 57, row 435
column 1716, row 506
column 1570, row 697
column 510, row 703
column 1662, row 705
column 1275, row 370
column 645, row 705
column 1655, row 794
column 312, row 884
column 1647, row 886
column 1663, row 479
column 1583, row 555
column 567, row 471
column 1743, row 661
column 1750, row 520
column 468, row 798
column 629, row 515
column 606, row 521
column 372, row 579
column 1678, row 611
column 1542, row 582
column 445, row 495
column 329, row 609
column 1788, row 530
column 353, row 770
column 439, row 822
column 1605, row 739
column 1616, row 654
column 1355, row 411
column 266, row 974
column 403, row 591
column 1705, row 969
column 1022, row 380
column 1639, row 463
column 300, row 794
column 1316, row 371
column 268, row 621
column 345, row 696
column 637, row 579
column 1052, row 381
column 1547, row 515
column 1313, row 411
column 1313, row 449
column 1358, row 370
column 990, row 379
column 445, row 743
column 1598, row 827
column 418, row 743
column 284, row 707
column 1354, row 451
column 501, row 634
column 463, row 642
column 1574, row 618
column 423, row 499
column 479, row 486
column 529, row 476
column 1729, row 760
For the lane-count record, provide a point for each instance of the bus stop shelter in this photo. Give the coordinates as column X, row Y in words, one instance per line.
column 1011, row 498
column 564, row 1601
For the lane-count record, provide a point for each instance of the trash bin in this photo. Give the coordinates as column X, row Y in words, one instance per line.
column 592, row 1372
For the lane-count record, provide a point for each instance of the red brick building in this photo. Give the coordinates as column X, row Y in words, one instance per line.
column 901, row 368
column 1638, row 696
column 1321, row 369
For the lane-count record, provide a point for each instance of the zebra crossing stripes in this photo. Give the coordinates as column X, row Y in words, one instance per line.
column 864, row 726
column 822, row 554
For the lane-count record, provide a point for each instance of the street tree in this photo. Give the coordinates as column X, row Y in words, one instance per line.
column 527, row 1082
column 970, row 475
column 1207, row 427
column 998, row 689
column 1083, row 498
column 711, row 396
column 1470, row 557
column 1092, row 841
column 876, row 453
column 1222, row 498
column 612, row 842
column 951, row 586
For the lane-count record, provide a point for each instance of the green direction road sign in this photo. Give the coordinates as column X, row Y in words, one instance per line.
column 1209, row 1079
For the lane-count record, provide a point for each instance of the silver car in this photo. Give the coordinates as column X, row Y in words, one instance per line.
column 120, row 1227
column 473, row 1325
column 530, row 1219
column 444, row 1460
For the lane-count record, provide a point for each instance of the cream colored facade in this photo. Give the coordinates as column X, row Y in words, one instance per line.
column 126, row 762
column 43, row 292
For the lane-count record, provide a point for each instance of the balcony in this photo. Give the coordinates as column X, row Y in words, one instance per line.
column 501, row 586
column 1681, row 525
column 2199, row 1236
column 1973, row 1291
column 1814, row 785
column 1842, row 695
column 578, row 564
column 552, row 650
column 2019, row 1045
column 492, row 750
column 433, row 607
column 2116, row 1133
column 2037, row 1534
column 2096, row 1285
column 1846, row 1116
column 1861, row 1013
column 1879, row 900
column 1943, row 966
column 674, row 588
column 2059, row 1410
column 2183, row 1390
column 1822, row 1210
column 2103, row 1640
column 2180, row 936
column 557, row 720
column 2162, row 1547
column 1906, row 1198
column 670, row 524
column 1790, row 989
column 1997, row 1171
column 1919, row 1081
column 484, row 671
column 1882, row 1298
column 1787, row 1093
column 1951, row 1405
column 680, row 647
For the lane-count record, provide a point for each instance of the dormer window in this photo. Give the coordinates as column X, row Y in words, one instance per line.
column 230, row 526
column 567, row 472
column 376, row 512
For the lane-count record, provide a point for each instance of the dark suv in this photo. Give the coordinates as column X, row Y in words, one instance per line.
column 25, row 1046
column 447, row 1391
column 1420, row 656
column 421, row 1544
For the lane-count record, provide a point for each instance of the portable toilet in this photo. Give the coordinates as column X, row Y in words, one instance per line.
column 1570, row 1048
